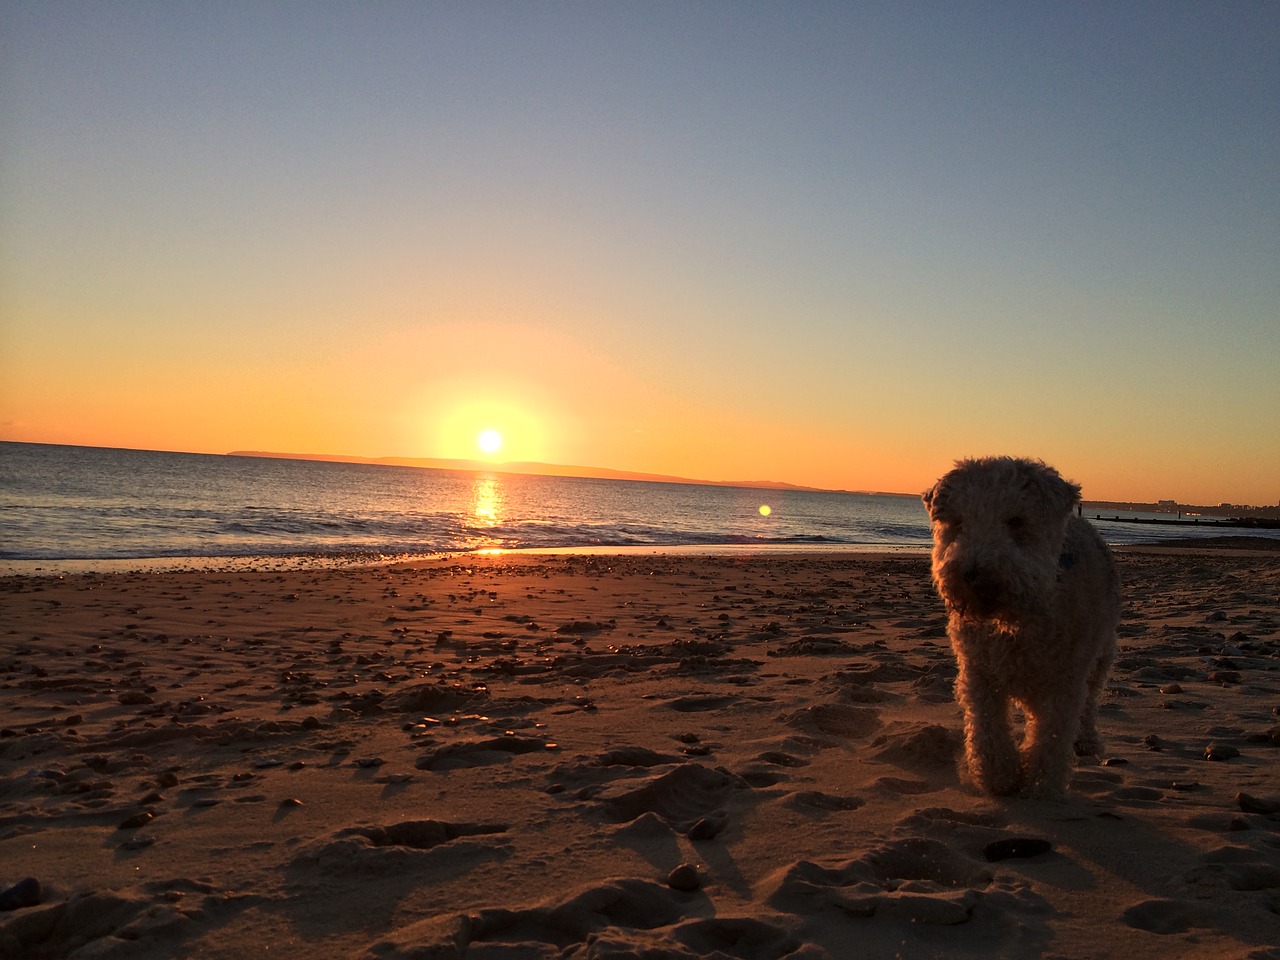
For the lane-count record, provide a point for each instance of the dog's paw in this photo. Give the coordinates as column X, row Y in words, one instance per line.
column 1000, row 779
column 1043, row 790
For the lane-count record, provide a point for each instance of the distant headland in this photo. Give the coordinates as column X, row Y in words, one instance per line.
column 543, row 470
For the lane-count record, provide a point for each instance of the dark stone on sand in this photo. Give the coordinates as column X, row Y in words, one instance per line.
column 684, row 878
column 1251, row 804
column 135, row 698
column 707, row 828
column 1220, row 751
column 1016, row 848
column 24, row 893
column 137, row 820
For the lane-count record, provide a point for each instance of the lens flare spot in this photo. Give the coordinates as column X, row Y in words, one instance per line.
column 765, row 509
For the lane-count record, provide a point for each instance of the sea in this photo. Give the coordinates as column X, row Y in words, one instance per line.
column 69, row 506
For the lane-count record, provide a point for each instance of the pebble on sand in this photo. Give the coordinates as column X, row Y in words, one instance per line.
column 24, row 893
column 684, row 878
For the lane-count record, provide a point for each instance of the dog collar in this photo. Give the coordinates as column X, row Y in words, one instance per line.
column 1066, row 561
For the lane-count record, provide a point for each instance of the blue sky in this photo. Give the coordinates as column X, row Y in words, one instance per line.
column 830, row 243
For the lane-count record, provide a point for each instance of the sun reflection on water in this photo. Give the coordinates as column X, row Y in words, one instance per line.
column 488, row 500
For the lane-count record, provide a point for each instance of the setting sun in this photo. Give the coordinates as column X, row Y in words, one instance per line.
column 490, row 441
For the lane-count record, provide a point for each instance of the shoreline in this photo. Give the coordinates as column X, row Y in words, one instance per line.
column 529, row 754
column 338, row 561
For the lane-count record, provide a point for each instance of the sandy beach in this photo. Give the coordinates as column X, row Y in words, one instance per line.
column 662, row 757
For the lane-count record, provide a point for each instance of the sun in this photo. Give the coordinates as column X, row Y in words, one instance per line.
column 490, row 441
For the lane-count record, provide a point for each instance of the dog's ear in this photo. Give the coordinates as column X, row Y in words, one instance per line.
column 1049, row 485
column 933, row 497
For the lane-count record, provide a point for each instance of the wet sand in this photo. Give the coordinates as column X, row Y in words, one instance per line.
column 615, row 756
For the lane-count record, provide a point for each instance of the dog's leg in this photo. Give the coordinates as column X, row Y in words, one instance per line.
column 1088, row 743
column 990, row 749
column 1047, row 748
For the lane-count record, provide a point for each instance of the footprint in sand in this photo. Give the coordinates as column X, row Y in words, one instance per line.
column 151, row 918
column 915, row 881
column 691, row 798
column 817, row 800
column 627, row 917
column 698, row 703
column 1236, row 868
column 835, row 720
column 398, row 845
column 927, row 746
column 586, row 774
column 1166, row 916
column 477, row 753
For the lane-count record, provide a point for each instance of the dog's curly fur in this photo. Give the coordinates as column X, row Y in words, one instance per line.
column 1033, row 602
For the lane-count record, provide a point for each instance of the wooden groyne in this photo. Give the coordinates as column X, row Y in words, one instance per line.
column 1254, row 523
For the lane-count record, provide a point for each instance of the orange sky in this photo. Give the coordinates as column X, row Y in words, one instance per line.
column 834, row 249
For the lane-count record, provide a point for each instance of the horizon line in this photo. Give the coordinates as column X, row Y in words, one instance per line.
column 537, row 468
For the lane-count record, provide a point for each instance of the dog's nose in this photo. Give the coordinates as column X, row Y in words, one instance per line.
column 984, row 587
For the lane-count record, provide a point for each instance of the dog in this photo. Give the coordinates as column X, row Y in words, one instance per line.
column 1033, row 601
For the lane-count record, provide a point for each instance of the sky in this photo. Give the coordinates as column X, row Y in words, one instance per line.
column 834, row 244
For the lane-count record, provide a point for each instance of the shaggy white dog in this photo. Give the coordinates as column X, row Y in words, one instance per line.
column 1033, row 602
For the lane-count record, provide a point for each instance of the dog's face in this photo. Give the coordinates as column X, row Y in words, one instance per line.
column 998, row 527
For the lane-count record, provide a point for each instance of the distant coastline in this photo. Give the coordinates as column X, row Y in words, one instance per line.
column 550, row 470
column 1186, row 511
